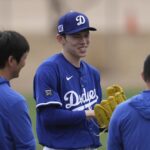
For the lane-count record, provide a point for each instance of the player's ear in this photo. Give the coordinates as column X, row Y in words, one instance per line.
column 11, row 60
column 60, row 38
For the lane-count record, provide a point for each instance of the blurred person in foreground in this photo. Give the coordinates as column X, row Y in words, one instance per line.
column 15, row 124
column 66, row 88
column 129, row 127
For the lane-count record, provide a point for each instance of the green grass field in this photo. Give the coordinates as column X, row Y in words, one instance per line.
column 103, row 136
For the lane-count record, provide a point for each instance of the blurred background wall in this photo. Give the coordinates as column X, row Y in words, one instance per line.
column 117, row 49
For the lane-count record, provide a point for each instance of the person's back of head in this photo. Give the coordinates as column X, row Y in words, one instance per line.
column 12, row 44
column 146, row 69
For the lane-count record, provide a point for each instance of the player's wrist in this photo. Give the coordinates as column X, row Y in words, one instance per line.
column 89, row 113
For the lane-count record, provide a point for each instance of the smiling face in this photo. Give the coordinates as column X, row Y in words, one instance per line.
column 76, row 44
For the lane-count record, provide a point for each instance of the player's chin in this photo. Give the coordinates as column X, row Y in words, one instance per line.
column 15, row 76
column 83, row 54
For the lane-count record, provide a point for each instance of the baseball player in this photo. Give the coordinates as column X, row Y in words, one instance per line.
column 129, row 127
column 15, row 124
column 66, row 89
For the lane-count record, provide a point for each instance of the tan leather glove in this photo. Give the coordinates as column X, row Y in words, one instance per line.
column 104, row 110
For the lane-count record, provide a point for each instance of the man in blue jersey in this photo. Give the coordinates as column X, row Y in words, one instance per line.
column 15, row 124
column 66, row 89
column 129, row 127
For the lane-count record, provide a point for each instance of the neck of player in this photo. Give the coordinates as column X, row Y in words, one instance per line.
column 75, row 61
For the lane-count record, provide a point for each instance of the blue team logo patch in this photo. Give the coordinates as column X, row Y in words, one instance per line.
column 60, row 28
column 48, row 92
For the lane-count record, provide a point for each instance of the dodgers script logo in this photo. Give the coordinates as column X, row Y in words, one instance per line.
column 85, row 100
column 80, row 19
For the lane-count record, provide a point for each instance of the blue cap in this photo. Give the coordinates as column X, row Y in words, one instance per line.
column 73, row 22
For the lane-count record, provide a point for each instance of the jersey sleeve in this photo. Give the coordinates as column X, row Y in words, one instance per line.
column 52, row 116
column 98, row 85
column 46, row 86
column 99, row 89
column 20, row 127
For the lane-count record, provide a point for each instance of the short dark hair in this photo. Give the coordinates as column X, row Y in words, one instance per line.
column 13, row 44
column 146, row 69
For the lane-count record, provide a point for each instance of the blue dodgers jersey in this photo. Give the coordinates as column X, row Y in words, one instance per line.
column 15, row 124
column 59, row 82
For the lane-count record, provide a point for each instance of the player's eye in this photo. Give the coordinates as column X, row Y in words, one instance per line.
column 76, row 36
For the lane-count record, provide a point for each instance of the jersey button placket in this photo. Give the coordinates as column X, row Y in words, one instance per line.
column 81, row 82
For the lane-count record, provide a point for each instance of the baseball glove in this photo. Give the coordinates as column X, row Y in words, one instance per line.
column 104, row 110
